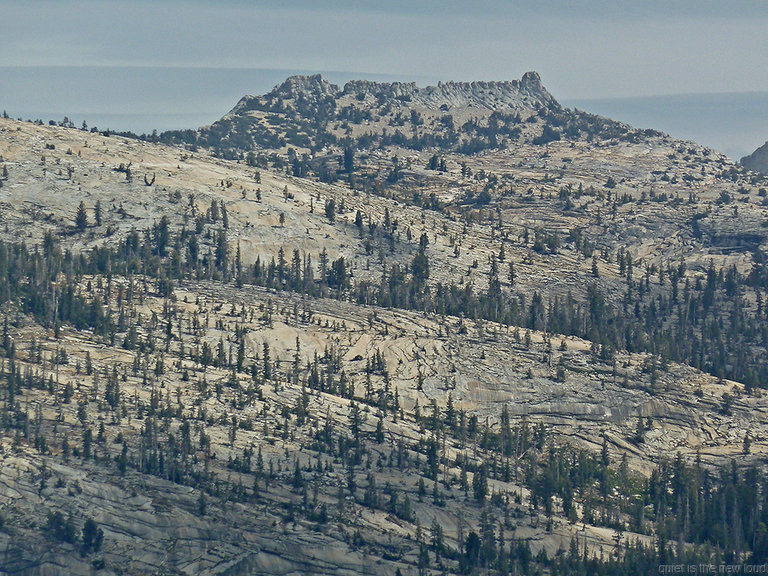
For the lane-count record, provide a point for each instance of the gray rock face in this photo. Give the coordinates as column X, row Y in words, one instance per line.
column 526, row 93
column 758, row 160
column 312, row 87
column 516, row 94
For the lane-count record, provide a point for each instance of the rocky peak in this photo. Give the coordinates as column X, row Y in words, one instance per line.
column 495, row 95
column 525, row 93
column 385, row 90
column 758, row 160
column 532, row 80
column 313, row 87
column 312, row 106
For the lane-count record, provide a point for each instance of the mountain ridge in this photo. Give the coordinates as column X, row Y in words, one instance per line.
column 308, row 114
column 492, row 94
column 342, row 332
column 758, row 160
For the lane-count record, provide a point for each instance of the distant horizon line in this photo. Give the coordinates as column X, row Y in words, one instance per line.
column 305, row 71
column 291, row 71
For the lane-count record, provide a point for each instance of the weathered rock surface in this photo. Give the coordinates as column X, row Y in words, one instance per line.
column 667, row 204
column 758, row 160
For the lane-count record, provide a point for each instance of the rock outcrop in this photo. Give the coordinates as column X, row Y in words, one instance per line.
column 525, row 94
column 758, row 160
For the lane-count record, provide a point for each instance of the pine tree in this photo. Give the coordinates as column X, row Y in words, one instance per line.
column 202, row 504
column 330, row 210
column 349, row 160
column 92, row 536
column 222, row 251
column 480, row 483
column 81, row 219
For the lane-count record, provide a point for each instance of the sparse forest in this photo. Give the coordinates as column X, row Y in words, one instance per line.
column 451, row 342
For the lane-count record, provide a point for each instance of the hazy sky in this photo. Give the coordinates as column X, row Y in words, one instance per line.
column 582, row 49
